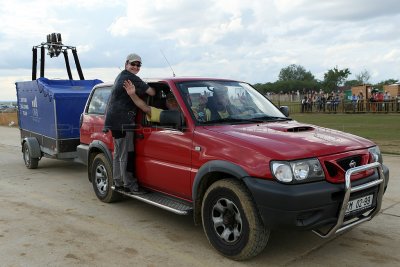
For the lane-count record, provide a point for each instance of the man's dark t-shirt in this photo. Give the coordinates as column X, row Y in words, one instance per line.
column 121, row 110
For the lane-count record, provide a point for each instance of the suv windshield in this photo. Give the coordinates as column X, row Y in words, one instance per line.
column 227, row 102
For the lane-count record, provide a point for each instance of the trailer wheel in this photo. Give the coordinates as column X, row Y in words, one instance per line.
column 231, row 221
column 30, row 163
column 102, row 179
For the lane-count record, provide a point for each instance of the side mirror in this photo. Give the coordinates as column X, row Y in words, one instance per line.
column 284, row 110
column 171, row 118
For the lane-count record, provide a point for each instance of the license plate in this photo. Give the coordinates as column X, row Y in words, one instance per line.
column 359, row 204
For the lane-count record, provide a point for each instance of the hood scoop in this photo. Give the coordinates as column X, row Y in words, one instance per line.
column 300, row 129
column 291, row 128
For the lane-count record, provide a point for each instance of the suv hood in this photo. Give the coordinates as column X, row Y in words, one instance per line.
column 291, row 140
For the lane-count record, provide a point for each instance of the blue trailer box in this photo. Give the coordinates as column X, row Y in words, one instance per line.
column 49, row 110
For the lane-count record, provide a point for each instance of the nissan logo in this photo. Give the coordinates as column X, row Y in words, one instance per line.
column 352, row 164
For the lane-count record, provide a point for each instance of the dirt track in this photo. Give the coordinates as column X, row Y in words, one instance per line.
column 51, row 217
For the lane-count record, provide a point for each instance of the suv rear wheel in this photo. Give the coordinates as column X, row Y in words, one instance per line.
column 231, row 221
column 101, row 173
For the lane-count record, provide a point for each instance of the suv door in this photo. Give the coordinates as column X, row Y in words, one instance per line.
column 163, row 155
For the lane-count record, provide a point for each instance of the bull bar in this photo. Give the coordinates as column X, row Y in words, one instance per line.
column 341, row 225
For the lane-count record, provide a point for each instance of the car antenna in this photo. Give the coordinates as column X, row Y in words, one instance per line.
column 173, row 73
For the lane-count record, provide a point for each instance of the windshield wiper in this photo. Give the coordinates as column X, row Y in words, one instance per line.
column 231, row 120
column 247, row 120
column 272, row 118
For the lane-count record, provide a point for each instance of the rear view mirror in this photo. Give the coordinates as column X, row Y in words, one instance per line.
column 171, row 118
column 284, row 110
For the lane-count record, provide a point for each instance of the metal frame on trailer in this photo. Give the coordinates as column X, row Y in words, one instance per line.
column 55, row 48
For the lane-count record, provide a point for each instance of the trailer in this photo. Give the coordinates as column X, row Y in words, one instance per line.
column 49, row 110
column 48, row 117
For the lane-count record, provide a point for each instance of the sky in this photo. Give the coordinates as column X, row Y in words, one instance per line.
column 243, row 40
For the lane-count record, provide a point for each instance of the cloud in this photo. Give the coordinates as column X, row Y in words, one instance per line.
column 339, row 10
column 246, row 40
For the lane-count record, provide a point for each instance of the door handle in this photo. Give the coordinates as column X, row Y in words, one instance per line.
column 139, row 136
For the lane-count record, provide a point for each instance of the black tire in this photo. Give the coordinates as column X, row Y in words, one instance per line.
column 231, row 221
column 30, row 163
column 101, row 176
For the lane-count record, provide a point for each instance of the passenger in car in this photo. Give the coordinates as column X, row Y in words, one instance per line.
column 215, row 107
column 152, row 113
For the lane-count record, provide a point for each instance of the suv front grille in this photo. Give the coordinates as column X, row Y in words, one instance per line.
column 350, row 162
column 337, row 165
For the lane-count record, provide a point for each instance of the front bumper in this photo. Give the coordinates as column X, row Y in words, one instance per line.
column 313, row 205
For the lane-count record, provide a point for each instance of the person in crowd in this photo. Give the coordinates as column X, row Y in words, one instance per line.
column 330, row 102
column 379, row 100
column 398, row 103
column 304, row 104
column 323, row 102
column 354, row 101
column 372, row 102
column 386, row 100
column 336, row 102
column 360, row 101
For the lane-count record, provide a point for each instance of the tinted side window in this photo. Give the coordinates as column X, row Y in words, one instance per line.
column 98, row 102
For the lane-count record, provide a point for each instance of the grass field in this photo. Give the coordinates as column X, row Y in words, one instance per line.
column 383, row 129
column 6, row 118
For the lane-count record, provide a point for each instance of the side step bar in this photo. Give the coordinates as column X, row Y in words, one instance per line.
column 157, row 199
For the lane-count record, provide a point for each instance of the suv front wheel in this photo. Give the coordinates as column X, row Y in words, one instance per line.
column 231, row 221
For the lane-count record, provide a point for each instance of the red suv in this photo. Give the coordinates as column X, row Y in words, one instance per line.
column 238, row 164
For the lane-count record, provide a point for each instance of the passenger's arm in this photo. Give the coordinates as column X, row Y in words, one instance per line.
column 131, row 91
column 151, row 91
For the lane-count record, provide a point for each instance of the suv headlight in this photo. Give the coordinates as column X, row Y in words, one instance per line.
column 376, row 154
column 299, row 171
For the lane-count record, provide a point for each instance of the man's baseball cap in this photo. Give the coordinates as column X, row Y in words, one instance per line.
column 133, row 57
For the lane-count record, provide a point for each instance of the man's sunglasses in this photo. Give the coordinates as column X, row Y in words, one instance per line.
column 137, row 64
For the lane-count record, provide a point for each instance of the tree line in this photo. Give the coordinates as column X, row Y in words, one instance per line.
column 295, row 78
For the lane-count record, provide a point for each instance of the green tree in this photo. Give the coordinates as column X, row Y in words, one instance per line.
column 386, row 82
column 295, row 73
column 352, row 83
column 335, row 77
column 292, row 78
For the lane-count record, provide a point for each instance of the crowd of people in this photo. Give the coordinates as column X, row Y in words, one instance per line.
column 334, row 102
